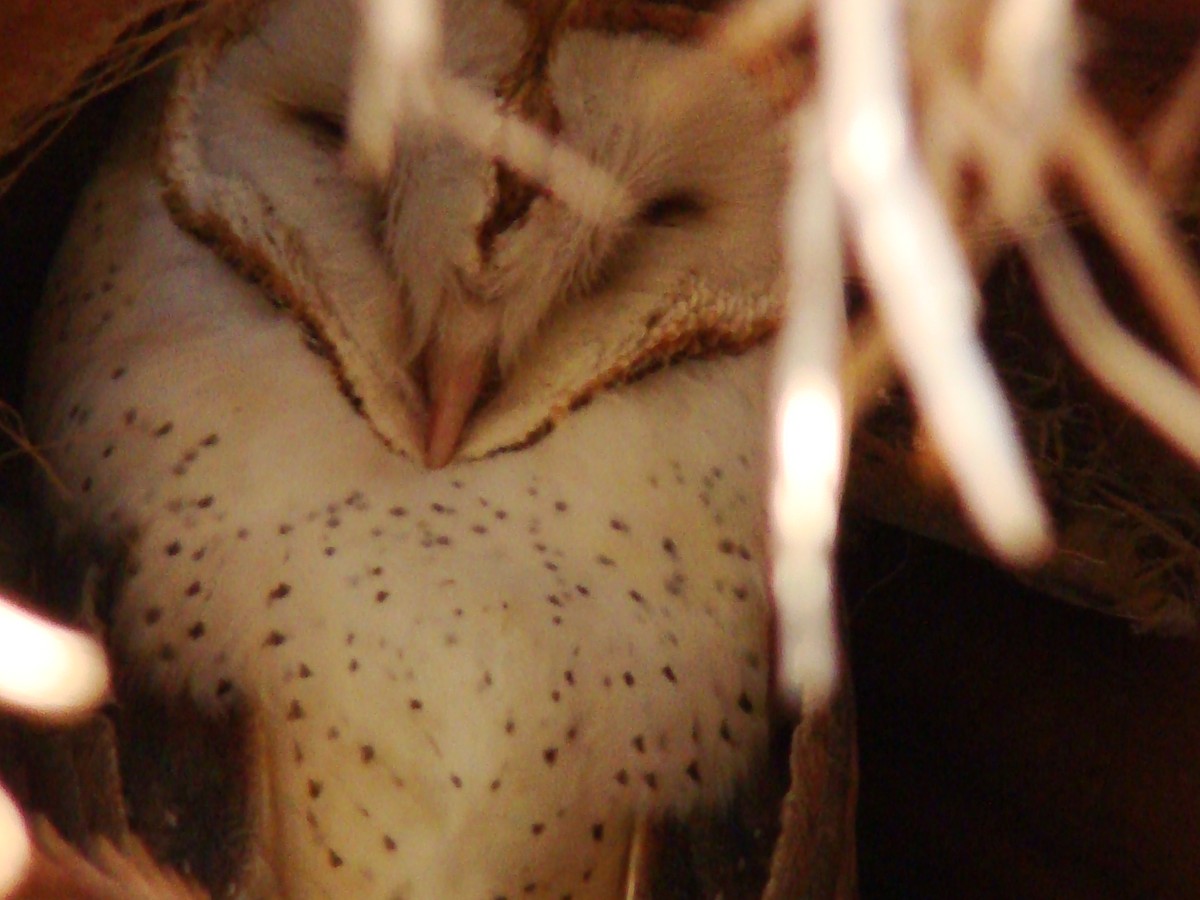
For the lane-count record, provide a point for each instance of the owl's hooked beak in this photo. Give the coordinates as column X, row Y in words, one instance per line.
column 457, row 363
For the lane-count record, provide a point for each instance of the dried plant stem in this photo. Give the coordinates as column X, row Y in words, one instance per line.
column 1127, row 369
column 1090, row 153
column 16, row 852
column 398, row 55
column 811, row 436
column 1173, row 137
column 398, row 81
column 923, row 288
column 54, row 673
column 1131, row 372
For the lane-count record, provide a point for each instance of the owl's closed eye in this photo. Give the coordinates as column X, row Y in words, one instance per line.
column 473, row 259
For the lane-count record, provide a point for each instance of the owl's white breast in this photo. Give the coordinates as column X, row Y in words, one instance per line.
column 471, row 678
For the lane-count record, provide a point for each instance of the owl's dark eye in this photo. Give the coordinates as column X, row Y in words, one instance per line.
column 326, row 126
column 676, row 208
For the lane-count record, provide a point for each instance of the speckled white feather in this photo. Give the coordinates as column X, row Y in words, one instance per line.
column 471, row 680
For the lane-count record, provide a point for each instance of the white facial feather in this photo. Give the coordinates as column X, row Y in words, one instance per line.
column 684, row 133
column 473, row 680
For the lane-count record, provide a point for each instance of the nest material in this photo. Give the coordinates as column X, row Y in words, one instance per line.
column 56, row 57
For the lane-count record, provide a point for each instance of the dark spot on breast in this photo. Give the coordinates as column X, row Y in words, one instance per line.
column 173, row 548
column 275, row 639
column 669, row 674
column 196, row 631
column 366, row 753
column 693, row 771
column 314, row 788
column 744, row 703
column 550, row 755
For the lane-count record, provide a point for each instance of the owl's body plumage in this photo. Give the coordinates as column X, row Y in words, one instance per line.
column 471, row 680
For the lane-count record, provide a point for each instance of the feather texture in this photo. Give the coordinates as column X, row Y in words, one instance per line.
column 472, row 680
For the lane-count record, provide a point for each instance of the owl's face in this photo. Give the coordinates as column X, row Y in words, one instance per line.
column 478, row 257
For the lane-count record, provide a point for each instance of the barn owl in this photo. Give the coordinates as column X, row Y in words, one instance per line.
column 480, row 643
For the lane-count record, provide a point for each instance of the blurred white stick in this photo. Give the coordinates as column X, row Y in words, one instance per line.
column 1172, row 139
column 1131, row 372
column 1028, row 69
column 1126, row 209
column 47, row 669
column 16, row 853
column 919, row 276
column 1028, row 79
column 810, row 429
column 397, row 58
column 399, row 83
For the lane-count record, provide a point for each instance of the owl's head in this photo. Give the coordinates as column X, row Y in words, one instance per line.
column 479, row 257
